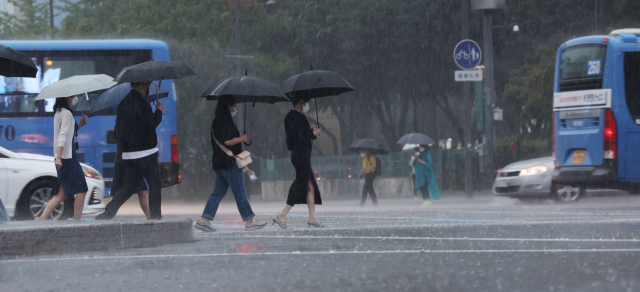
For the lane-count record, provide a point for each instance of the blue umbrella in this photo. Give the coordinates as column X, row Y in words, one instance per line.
column 107, row 103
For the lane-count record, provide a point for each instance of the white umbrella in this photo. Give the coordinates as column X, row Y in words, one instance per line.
column 75, row 85
column 409, row 147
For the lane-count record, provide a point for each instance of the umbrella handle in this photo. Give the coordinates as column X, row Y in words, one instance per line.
column 250, row 141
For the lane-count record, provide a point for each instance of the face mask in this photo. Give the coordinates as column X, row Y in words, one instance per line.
column 363, row 155
column 234, row 113
column 305, row 108
column 74, row 101
column 421, row 149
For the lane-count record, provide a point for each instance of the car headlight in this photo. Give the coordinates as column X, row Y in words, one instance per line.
column 88, row 172
column 534, row 170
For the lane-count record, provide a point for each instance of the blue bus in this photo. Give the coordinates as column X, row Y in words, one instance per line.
column 26, row 125
column 596, row 114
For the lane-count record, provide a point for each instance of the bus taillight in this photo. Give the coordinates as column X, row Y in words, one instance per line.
column 610, row 135
column 174, row 148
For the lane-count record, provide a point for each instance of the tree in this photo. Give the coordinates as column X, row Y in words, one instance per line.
column 32, row 23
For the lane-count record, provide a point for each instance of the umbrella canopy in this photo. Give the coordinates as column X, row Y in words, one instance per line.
column 16, row 64
column 315, row 84
column 107, row 103
column 416, row 138
column 375, row 146
column 152, row 71
column 245, row 89
column 75, row 85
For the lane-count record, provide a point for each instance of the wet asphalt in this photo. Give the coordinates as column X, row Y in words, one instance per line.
column 457, row 244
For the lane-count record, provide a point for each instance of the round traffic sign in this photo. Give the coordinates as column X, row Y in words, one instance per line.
column 467, row 54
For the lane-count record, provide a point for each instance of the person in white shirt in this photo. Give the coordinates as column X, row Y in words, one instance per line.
column 70, row 175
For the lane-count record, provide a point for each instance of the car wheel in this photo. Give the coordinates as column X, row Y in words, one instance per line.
column 34, row 199
column 566, row 193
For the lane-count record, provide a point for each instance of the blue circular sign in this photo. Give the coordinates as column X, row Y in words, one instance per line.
column 467, row 54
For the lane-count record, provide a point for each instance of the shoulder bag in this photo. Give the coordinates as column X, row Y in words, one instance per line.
column 243, row 159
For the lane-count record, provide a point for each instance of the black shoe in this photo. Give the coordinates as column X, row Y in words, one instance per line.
column 104, row 216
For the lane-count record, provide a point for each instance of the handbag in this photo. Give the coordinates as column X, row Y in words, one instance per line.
column 243, row 159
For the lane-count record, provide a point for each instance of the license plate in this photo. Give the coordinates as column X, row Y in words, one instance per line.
column 501, row 184
column 578, row 156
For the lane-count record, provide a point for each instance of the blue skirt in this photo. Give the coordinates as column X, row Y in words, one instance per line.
column 71, row 177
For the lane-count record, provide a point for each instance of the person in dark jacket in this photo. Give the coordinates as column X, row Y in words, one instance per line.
column 136, row 127
column 304, row 189
column 224, row 133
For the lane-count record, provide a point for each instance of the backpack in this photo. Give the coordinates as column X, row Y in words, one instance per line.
column 378, row 170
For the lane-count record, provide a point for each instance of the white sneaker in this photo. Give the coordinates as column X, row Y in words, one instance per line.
column 254, row 225
column 204, row 226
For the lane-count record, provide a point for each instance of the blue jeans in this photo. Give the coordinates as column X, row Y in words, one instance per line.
column 226, row 178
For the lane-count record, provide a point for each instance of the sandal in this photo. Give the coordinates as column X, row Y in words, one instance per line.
column 316, row 225
column 282, row 225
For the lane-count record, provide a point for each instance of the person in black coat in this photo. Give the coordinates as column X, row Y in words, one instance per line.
column 304, row 189
column 136, row 124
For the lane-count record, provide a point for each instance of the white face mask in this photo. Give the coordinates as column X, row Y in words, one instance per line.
column 305, row 108
column 234, row 112
column 74, row 101
column 421, row 149
column 363, row 155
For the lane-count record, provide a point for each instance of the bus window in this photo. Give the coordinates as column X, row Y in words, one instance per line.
column 632, row 84
column 582, row 67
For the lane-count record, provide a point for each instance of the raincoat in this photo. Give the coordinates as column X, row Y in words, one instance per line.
column 4, row 216
column 426, row 175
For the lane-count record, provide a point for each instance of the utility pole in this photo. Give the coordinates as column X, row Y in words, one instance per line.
column 466, row 114
column 239, row 109
column 51, row 17
column 489, row 88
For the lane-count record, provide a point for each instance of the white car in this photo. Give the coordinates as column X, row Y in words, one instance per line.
column 26, row 181
column 530, row 180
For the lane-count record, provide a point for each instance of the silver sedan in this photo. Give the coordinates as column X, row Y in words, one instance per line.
column 530, row 180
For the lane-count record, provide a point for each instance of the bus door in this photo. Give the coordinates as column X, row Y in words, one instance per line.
column 630, row 162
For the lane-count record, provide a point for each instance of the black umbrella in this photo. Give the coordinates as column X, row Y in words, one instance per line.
column 246, row 89
column 416, row 138
column 375, row 146
column 16, row 64
column 315, row 84
column 152, row 71
column 107, row 103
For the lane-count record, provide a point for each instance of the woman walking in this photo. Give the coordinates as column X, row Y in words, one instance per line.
column 425, row 177
column 369, row 165
column 304, row 189
column 70, row 175
column 225, row 138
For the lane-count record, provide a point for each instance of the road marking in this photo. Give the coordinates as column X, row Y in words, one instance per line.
column 437, row 238
column 330, row 252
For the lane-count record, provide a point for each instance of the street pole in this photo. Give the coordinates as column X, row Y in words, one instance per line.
column 51, row 17
column 466, row 114
column 489, row 88
column 239, row 109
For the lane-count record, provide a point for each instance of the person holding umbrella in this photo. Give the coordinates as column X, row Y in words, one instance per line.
column 70, row 178
column 226, row 143
column 369, row 167
column 304, row 189
column 426, row 183
column 136, row 127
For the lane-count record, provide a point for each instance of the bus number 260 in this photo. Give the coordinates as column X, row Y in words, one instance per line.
column 9, row 132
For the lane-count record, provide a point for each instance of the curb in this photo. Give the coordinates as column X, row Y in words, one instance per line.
column 52, row 237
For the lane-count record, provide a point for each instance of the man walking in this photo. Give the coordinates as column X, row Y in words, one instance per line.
column 136, row 128
column 369, row 167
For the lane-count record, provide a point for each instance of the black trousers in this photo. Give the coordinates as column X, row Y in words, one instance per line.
column 425, row 191
column 368, row 188
column 146, row 167
column 415, row 191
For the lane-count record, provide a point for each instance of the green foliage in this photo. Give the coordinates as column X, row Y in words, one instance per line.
column 34, row 22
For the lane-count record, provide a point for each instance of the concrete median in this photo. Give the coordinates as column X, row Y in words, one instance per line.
column 54, row 237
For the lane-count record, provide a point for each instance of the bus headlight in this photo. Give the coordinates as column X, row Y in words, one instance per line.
column 534, row 170
column 88, row 172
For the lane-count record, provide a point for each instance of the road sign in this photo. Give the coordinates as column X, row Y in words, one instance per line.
column 464, row 75
column 467, row 54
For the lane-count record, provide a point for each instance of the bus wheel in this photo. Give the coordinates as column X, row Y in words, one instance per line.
column 34, row 199
column 566, row 194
